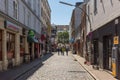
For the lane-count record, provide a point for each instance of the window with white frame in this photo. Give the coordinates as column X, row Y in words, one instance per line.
column 15, row 9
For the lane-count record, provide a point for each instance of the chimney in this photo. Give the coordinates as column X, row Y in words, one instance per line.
column 78, row 4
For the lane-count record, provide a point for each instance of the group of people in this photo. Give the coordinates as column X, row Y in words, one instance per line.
column 62, row 50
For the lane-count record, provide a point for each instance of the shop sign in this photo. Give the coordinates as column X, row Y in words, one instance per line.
column 12, row 26
column 116, row 40
column 31, row 33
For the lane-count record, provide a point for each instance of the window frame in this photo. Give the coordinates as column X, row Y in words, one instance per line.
column 15, row 9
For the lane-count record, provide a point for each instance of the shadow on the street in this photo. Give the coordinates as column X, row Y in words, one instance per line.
column 29, row 73
column 25, row 70
column 77, row 71
column 46, row 56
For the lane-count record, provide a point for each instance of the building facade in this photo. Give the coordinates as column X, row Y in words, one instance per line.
column 76, row 28
column 53, row 37
column 46, row 24
column 20, row 29
column 105, row 21
column 62, row 28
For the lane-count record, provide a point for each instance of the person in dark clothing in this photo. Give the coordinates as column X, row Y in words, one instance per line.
column 67, row 51
column 58, row 50
column 86, row 59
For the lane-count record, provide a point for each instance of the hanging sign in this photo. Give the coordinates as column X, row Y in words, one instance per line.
column 31, row 33
column 116, row 40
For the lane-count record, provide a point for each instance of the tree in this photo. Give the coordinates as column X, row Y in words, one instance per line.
column 63, row 37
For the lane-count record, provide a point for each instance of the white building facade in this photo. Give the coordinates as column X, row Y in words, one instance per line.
column 46, row 25
column 20, row 29
column 105, row 21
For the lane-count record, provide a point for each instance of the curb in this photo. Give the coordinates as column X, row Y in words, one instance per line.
column 24, row 72
column 95, row 78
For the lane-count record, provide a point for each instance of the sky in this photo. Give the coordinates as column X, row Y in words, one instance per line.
column 60, row 13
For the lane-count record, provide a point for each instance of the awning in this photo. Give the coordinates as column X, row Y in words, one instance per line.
column 43, row 37
column 32, row 39
column 72, row 40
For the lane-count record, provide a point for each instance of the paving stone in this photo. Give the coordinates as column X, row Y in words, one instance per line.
column 61, row 68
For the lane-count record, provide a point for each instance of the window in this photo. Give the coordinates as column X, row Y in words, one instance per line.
column 10, row 45
column 34, row 5
column 39, row 8
column 0, row 45
column 6, row 6
column 24, row 13
column 35, row 23
column 28, row 21
column 95, row 7
column 15, row 9
column 29, row 3
column 88, row 10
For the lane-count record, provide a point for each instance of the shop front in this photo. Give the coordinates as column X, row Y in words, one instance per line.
column 1, row 42
column 22, row 49
column 43, row 43
column 10, row 49
column 12, row 39
column 33, row 45
column 37, row 50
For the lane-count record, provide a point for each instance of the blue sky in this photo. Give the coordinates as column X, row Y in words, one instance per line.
column 61, row 14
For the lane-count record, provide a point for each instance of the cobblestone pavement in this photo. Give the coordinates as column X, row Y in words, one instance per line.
column 61, row 68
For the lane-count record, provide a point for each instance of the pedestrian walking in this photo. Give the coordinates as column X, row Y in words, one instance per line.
column 58, row 50
column 63, row 49
column 66, row 50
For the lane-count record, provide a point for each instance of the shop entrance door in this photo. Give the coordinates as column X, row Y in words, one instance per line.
column 96, row 54
column 30, row 51
column 107, row 52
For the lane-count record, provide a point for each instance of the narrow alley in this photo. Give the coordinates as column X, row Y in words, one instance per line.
column 61, row 68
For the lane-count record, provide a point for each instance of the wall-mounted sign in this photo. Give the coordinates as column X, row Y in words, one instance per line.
column 31, row 33
column 116, row 40
column 12, row 26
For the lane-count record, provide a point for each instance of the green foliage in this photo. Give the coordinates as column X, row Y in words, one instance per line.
column 63, row 37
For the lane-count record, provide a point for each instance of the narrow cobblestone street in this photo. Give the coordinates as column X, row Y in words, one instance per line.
column 61, row 68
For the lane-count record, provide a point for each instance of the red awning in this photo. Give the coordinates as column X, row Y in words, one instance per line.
column 43, row 37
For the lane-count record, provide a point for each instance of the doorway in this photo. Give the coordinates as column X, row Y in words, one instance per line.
column 96, row 53
column 30, row 51
column 107, row 52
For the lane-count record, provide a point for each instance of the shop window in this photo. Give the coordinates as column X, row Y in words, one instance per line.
column 22, row 45
column 0, row 45
column 11, row 45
